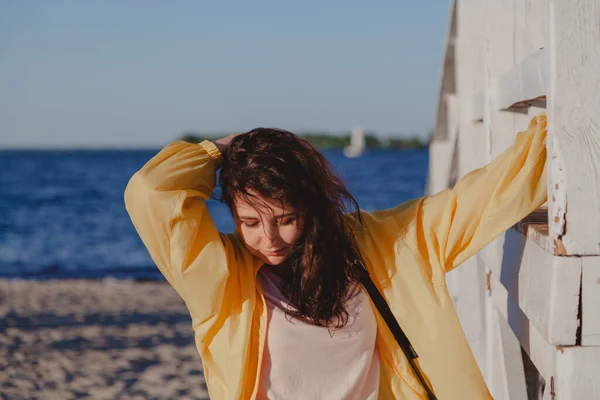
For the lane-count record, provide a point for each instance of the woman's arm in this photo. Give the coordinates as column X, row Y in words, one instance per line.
column 166, row 203
column 452, row 225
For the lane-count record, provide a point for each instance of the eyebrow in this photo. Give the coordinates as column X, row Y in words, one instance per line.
column 279, row 217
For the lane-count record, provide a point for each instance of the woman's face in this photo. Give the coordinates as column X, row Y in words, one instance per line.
column 269, row 232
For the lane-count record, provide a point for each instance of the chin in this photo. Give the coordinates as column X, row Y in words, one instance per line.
column 273, row 260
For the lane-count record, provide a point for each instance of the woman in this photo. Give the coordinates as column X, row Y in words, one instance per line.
column 277, row 308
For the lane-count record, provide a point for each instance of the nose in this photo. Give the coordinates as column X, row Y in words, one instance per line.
column 271, row 234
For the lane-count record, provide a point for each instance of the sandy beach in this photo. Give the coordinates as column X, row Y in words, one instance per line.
column 96, row 340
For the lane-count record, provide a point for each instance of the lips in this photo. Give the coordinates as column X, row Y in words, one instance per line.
column 279, row 252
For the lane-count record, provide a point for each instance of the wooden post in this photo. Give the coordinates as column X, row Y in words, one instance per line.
column 537, row 287
column 468, row 282
column 574, row 126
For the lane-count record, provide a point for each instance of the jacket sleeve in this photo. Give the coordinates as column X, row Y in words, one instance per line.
column 166, row 203
column 449, row 227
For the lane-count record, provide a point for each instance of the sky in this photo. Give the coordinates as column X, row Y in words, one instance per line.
column 135, row 73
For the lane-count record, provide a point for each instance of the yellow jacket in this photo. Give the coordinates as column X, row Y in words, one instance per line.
column 407, row 249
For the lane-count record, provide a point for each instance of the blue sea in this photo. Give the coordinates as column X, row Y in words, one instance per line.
column 62, row 214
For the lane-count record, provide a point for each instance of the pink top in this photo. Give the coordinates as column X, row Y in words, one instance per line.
column 304, row 361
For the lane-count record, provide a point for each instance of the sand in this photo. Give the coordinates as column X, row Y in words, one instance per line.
column 96, row 340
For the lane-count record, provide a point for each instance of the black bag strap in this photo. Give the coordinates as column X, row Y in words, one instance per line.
column 395, row 328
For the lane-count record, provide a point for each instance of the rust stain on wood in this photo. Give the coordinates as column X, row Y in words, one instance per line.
column 559, row 248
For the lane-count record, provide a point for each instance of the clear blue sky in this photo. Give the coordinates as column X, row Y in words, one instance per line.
column 138, row 73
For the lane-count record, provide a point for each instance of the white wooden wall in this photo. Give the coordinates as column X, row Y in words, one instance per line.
column 530, row 301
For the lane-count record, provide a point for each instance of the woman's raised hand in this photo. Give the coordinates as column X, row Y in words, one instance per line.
column 223, row 143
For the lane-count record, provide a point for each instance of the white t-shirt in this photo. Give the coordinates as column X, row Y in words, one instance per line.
column 304, row 361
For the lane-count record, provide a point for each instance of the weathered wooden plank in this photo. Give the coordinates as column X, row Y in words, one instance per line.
column 494, row 371
column 541, row 353
column 478, row 106
column 489, row 260
column 574, row 124
column 535, row 111
column 440, row 157
column 512, row 363
column 578, row 373
column 441, row 151
column 525, row 85
column 590, row 302
column 530, row 27
column 549, row 295
column 499, row 32
column 491, row 256
column 448, row 79
column 470, row 47
column 496, row 378
column 499, row 126
column 535, row 228
column 545, row 287
column 467, row 286
column 470, row 44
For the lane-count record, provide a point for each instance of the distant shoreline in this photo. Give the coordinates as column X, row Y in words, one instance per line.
column 401, row 144
column 319, row 140
column 328, row 141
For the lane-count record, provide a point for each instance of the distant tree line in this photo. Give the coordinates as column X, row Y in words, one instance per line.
column 330, row 141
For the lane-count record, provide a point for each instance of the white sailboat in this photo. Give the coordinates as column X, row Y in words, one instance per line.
column 357, row 144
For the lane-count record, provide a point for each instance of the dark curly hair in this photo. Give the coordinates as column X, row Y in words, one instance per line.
column 287, row 169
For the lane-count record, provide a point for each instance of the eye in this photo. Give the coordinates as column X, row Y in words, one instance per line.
column 251, row 224
column 288, row 221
